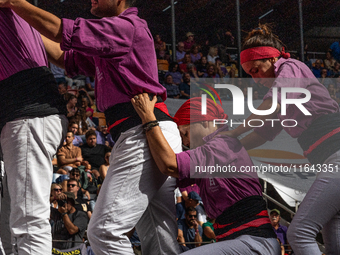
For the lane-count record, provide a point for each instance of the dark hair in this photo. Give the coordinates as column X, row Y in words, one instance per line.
column 90, row 133
column 62, row 83
column 74, row 180
column 71, row 133
column 190, row 209
column 262, row 36
column 75, row 170
column 130, row 3
column 71, row 123
column 172, row 65
column 71, row 97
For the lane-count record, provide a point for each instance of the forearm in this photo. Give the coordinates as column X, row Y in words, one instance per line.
column 71, row 228
column 46, row 23
column 241, row 129
column 198, row 239
column 161, row 151
column 68, row 161
column 54, row 53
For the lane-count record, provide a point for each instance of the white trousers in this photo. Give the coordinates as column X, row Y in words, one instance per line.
column 136, row 194
column 28, row 146
column 320, row 209
column 242, row 245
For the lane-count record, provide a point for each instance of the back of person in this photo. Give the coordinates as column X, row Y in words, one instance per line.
column 131, row 63
column 13, row 45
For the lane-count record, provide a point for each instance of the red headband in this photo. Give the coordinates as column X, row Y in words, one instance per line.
column 262, row 53
column 190, row 112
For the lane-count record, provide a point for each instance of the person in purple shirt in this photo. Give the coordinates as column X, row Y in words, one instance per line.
column 234, row 200
column 32, row 126
column 318, row 134
column 118, row 50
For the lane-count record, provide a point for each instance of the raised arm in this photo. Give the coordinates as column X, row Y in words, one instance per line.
column 46, row 23
column 243, row 129
column 54, row 53
column 161, row 151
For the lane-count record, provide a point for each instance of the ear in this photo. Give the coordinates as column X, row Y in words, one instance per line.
column 205, row 124
column 273, row 60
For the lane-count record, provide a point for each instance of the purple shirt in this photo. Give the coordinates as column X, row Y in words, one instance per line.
column 219, row 193
column 281, row 233
column 119, row 51
column 293, row 73
column 21, row 47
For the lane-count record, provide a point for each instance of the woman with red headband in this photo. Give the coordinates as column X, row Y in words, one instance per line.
column 318, row 134
column 242, row 224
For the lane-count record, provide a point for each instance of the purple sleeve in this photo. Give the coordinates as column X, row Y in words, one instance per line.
column 106, row 37
column 76, row 63
column 183, row 164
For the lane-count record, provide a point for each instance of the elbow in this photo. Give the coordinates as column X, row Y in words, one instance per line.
column 73, row 231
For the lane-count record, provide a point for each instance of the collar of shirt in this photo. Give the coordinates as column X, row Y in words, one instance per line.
column 128, row 11
column 221, row 129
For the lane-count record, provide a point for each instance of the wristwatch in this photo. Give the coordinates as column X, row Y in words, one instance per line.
column 63, row 214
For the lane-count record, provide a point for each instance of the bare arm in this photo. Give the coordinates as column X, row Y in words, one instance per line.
column 54, row 53
column 71, row 228
column 161, row 151
column 209, row 233
column 46, row 23
column 241, row 129
column 64, row 161
column 180, row 237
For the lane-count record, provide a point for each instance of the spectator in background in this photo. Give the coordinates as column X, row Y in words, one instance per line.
column 324, row 77
column 329, row 61
column 175, row 73
column 69, row 223
column 332, row 92
column 104, row 137
column 193, row 201
column 63, row 90
column 280, row 231
column 184, row 66
column 212, row 55
column 103, row 168
column 336, row 70
column 189, row 42
column 316, row 69
column 192, row 71
column 184, row 87
column 73, row 186
column 202, row 66
column 180, row 53
column 69, row 156
column 212, row 73
column 85, row 106
column 92, row 152
column 172, row 89
column 194, row 54
column 189, row 230
column 81, row 120
column 335, row 50
column 186, row 190
column 208, row 231
column 71, row 106
column 159, row 44
column 73, row 127
column 162, row 61
column 56, row 189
